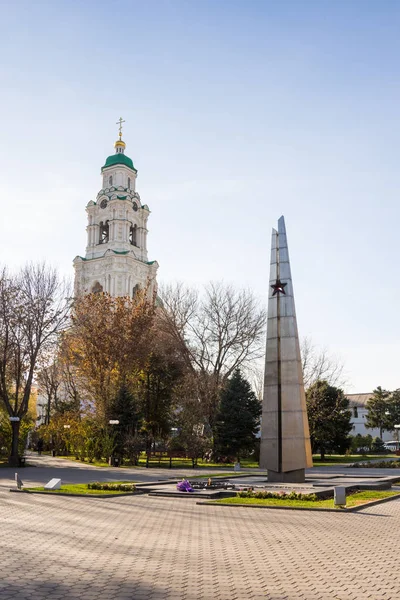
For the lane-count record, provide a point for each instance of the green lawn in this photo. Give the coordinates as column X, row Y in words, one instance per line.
column 330, row 460
column 177, row 463
column 79, row 489
column 352, row 500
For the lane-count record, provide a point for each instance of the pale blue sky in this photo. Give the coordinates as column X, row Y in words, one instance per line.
column 236, row 113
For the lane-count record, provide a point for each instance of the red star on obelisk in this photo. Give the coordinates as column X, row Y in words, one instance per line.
column 279, row 287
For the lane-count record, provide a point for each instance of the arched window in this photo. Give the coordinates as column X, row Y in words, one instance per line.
column 110, row 180
column 97, row 288
column 135, row 290
column 129, row 183
column 133, row 235
column 104, row 232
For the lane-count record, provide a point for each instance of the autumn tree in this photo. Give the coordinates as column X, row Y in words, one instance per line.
column 217, row 332
column 33, row 310
column 108, row 344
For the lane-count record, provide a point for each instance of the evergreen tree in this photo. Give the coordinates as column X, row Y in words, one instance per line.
column 393, row 408
column 377, row 407
column 328, row 417
column 238, row 418
column 378, row 445
column 124, row 408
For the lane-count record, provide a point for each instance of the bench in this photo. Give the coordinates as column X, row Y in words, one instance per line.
column 160, row 455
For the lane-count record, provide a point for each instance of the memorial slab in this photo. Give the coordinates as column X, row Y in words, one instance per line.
column 53, row 484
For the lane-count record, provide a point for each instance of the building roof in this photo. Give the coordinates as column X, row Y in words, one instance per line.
column 359, row 399
column 118, row 159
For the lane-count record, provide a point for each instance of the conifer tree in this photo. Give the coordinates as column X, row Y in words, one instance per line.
column 238, row 418
column 329, row 418
column 124, row 409
column 377, row 407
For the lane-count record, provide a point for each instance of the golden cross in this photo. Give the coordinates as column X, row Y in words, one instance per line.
column 119, row 122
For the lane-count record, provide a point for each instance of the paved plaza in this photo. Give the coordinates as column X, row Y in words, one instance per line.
column 144, row 547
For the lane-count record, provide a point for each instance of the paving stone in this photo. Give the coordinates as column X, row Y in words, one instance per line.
column 144, row 548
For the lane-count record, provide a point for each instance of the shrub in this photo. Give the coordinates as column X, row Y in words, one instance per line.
column 115, row 487
column 263, row 495
column 390, row 464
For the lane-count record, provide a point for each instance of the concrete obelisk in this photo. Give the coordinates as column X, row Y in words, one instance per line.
column 285, row 437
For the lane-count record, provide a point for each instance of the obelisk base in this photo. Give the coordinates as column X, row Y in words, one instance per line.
column 297, row 476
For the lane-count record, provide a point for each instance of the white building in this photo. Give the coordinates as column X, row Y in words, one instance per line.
column 116, row 258
column 359, row 413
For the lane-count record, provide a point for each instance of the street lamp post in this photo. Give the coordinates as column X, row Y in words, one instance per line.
column 67, row 427
column 397, row 427
column 113, row 460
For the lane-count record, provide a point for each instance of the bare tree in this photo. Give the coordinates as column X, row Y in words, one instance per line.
column 218, row 332
column 255, row 376
column 33, row 310
column 49, row 382
column 319, row 365
column 71, row 386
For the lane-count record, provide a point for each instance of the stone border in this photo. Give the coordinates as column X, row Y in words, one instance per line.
column 335, row 510
column 51, row 493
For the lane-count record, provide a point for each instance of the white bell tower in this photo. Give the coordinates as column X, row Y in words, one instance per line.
column 116, row 258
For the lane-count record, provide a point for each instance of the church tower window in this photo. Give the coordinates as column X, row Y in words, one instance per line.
column 129, row 183
column 110, row 180
column 133, row 235
column 104, row 232
column 97, row 288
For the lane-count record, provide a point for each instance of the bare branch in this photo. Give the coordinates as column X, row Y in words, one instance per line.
column 319, row 365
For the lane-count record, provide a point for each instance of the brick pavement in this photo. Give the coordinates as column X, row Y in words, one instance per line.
column 142, row 548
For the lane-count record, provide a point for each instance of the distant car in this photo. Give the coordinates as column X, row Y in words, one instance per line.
column 391, row 446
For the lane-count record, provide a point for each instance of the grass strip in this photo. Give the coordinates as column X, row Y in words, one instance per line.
column 355, row 499
column 79, row 489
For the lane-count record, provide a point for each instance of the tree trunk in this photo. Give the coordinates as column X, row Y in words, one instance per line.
column 13, row 459
column 322, row 451
column 48, row 410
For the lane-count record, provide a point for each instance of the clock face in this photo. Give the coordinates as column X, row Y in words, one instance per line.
column 103, row 203
column 135, row 206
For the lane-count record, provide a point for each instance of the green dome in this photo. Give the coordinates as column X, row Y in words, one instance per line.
column 118, row 159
